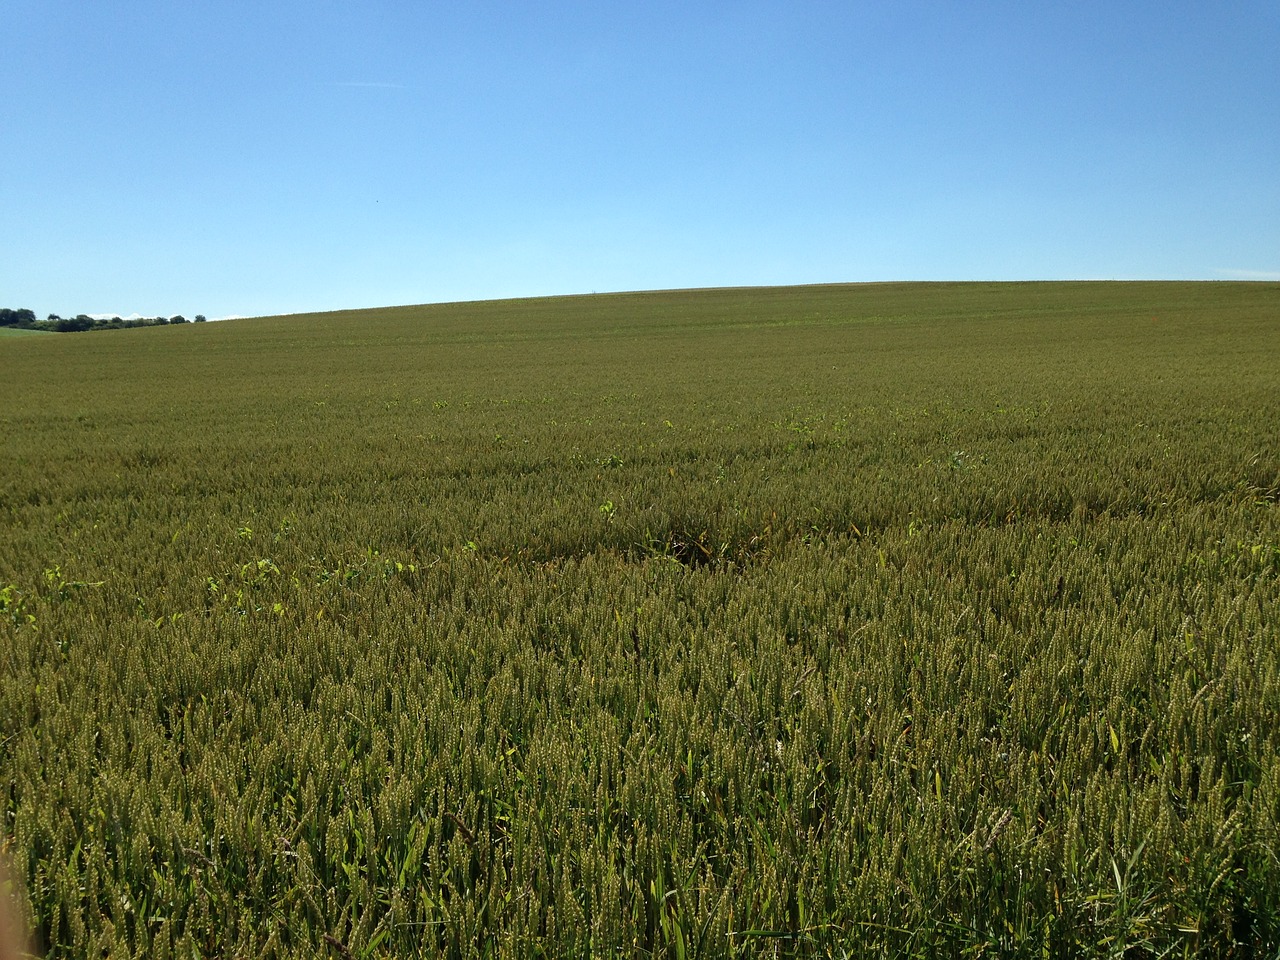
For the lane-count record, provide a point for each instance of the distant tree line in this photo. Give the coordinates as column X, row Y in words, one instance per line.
column 26, row 320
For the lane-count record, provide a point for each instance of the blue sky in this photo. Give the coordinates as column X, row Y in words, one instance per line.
column 252, row 158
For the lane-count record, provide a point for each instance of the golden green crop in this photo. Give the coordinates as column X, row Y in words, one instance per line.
column 883, row 620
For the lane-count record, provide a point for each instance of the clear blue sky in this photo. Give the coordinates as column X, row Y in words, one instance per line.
column 240, row 157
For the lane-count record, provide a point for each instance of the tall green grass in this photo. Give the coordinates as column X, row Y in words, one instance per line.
column 18, row 332
column 888, row 620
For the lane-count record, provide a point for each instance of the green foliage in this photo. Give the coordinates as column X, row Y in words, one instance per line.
column 22, row 317
column 889, row 620
column 25, row 320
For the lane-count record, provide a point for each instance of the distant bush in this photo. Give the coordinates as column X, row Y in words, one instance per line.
column 26, row 319
column 73, row 324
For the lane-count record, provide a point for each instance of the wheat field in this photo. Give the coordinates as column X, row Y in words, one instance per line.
column 844, row 621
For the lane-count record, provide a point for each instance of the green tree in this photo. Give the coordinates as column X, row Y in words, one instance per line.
column 73, row 324
column 17, row 318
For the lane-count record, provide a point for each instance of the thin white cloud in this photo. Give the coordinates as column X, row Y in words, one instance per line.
column 1249, row 274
